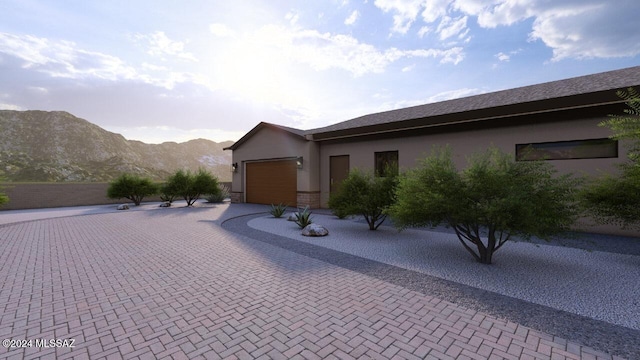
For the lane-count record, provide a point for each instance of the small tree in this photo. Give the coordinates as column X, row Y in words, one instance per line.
column 131, row 187
column 191, row 186
column 627, row 126
column 616, row 199
column 365, row 194
column 492, row 200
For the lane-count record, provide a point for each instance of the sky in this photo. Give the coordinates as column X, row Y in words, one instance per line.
column 160, row 70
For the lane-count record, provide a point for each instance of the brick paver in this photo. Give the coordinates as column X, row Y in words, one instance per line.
column 173, row 284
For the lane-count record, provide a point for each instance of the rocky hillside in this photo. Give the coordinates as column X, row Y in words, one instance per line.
column 57, row 146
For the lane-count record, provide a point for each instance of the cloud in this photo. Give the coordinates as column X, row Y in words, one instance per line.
column 352, row 18
column 158, row 44
column 63, row 59
column 571, row 28
column 323, row 51
column 404, row 12
column 449, row 27
column 503, row 57
column 221, row 30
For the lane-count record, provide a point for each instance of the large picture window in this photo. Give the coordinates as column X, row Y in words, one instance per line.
column 386, row 161
column 564, row 150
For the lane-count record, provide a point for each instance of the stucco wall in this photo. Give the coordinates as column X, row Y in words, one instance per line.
column 413, row 148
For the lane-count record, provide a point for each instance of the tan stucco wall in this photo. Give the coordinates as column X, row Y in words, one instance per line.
column 412, row 148
column 272, row 144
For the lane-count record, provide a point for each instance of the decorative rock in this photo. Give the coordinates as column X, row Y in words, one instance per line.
column 123, row 207
column 165, row 204
column 315, row 230
column 292, row 216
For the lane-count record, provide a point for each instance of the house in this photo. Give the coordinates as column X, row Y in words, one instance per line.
column 557, row 121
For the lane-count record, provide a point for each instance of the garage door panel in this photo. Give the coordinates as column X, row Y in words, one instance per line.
column 272, row 182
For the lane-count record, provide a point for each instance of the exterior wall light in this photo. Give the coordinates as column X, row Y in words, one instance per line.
column 234, row 167
column 299, row 162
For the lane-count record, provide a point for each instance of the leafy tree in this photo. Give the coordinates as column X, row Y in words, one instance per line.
column 627, row 126
column 615, row 200
column 131, row 187
column 493, row 199
column 191, row 186
column 365, row 194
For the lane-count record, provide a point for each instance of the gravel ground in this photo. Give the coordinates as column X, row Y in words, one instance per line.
column 595, row 284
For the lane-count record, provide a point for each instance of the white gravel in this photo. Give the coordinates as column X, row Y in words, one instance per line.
column 600, row 285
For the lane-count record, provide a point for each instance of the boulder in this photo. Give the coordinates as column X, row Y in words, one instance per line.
column 292, row 216
column 123, row 207
column 165, row 204
column 315, row 230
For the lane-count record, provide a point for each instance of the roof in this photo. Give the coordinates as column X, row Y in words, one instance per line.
column 577, row 92
column 533, row 94
column 262, row 125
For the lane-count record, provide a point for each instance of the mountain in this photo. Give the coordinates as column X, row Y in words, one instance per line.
column 57, row 146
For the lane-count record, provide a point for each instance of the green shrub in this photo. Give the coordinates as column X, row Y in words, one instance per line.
column 493, row 199
column 191, row 186
column 303, row 217
column 3, row 197
column 365, row 194
column 278, row 210
column 615, row 199
column 131, row 187
column 219, row 196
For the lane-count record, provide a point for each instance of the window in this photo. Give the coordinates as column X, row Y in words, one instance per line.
column 562, row 150
column 386, row 162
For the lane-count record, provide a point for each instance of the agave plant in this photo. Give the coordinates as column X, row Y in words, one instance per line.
column 303, row 217
column 278, row 210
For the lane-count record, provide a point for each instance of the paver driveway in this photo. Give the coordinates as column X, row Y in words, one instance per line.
column 172, row 283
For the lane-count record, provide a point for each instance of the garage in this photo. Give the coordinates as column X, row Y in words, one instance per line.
column 272, row 182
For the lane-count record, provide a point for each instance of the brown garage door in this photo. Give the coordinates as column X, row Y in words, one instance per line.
column 272, row 182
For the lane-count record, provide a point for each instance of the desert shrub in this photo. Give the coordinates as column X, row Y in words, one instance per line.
column 278, row 210
column 219, row 196
column 613, row 199
column 493, row 199
column 303, row 217
column 132, row 187
column 365, row 194
column 191, row 186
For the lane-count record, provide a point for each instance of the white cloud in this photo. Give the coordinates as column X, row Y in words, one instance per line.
column 159, row 44
column 352, row 18
column 405, row 12
column 64, row 59
column 503, row 57
column 293, row 17
column 324, row 51
column 221, row 30
column 9, row 107
column 408, row 68
column 435, row 9
column 424, row 31
column 571, row 28
column 449, row 27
